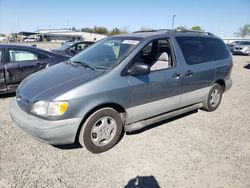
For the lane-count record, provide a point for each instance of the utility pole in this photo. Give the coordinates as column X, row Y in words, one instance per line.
column 173, row 21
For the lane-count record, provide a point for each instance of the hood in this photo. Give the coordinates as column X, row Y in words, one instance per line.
column 51, row 82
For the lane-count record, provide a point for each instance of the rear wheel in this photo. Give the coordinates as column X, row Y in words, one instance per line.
column 101, row 131
column 213, row 99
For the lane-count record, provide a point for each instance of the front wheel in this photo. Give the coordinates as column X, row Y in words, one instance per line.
column 213, row 99
column 101, row 131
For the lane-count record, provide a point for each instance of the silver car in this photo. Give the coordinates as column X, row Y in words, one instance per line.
column 242, row 47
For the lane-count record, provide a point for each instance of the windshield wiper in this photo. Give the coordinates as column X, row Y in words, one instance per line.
column 76, row 63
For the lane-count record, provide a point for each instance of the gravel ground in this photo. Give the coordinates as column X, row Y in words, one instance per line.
column 197, row 150
column 44, row 45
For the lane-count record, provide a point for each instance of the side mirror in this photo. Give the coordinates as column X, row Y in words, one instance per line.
column 139, row 69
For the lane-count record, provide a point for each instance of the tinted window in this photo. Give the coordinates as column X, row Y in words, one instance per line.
column 202, row 49
column 218, row 48
column 19, row 55
column 244, row 43
column 42, row 56
column 194, row 49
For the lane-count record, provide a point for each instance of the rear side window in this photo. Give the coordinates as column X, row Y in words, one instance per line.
column 198, row 50
column 42, row 56
column 194, row 50
column 218, row 49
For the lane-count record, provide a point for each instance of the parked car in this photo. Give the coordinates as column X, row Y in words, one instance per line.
column 243, row 47
column 30, row 40
column 17, row 62
column 72, row 48
column 232, row 44
column 123, row 83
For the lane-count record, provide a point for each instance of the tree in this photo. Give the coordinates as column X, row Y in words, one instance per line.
column 181, row 28
column 243, row 31
column 196, row 28
column 115, row 31
column 87, row 29
column 100, row 30
column 124, row 29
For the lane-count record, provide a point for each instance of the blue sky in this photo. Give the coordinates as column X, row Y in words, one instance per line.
column 222, row 17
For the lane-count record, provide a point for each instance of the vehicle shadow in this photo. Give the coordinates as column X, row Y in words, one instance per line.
column 161, row 123
column 7, row 95
column 75, row 145
column 143, row 182
column 247, row 66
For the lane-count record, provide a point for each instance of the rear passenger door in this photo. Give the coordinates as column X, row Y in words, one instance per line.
column 198, row 71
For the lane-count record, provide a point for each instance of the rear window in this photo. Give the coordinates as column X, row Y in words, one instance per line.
column 198, row 50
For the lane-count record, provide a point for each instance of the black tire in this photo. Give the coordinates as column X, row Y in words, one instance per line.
column 89, row 138
column 208, row 104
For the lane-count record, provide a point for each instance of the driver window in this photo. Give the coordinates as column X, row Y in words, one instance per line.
column 157, row 54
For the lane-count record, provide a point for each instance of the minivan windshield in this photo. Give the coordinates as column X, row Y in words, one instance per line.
column 106, row 53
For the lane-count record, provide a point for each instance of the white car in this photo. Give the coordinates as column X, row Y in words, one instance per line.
column 30, row 40
column 242, row 47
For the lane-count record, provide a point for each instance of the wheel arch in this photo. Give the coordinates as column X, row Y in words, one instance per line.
column 221, row 82
column 120, row 109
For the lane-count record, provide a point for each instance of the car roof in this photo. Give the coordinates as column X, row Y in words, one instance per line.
column 150, row 33
column 24, row 47
column 17, row 46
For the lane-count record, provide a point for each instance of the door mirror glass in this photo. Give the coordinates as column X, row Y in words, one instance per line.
column 139, row 68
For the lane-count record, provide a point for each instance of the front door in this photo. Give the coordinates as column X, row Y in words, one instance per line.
column 159, row 91
column 19, row 65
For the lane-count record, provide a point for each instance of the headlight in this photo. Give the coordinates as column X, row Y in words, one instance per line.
column 44, row 108
column 246, row 49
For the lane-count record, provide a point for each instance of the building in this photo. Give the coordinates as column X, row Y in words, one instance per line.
column 60, row 35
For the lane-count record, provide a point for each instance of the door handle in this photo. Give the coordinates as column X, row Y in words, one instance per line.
column 189, row 73
column 176, row 76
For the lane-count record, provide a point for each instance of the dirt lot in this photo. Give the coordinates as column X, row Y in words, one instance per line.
column 198, row 150
column 44, row 45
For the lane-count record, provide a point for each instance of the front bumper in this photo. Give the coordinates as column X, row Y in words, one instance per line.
column 51, row 132
column 240, row 52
